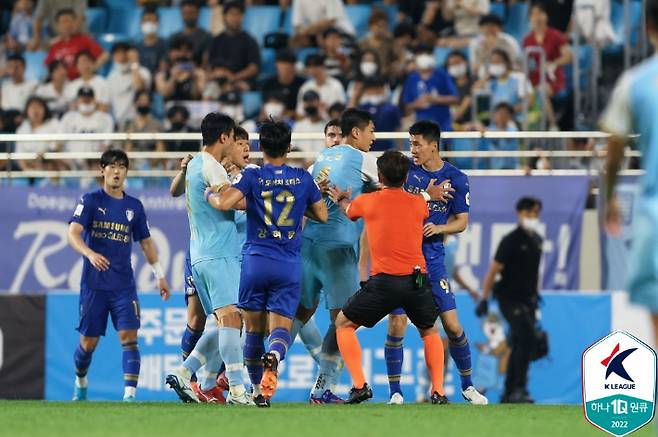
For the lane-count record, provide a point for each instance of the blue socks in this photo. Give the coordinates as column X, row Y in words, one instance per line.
column 394, row 355
column 310, row 335
column 330, row 362
column 279, row 342
column 230, row 350
column 254, row 348
column 189, row 340
column 131, row 363
column 461, row 355
column 82, row 360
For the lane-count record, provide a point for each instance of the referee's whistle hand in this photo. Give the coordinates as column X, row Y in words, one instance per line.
column 99, row 262
column 440, row 192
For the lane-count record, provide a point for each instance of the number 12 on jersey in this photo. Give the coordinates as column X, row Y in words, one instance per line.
column 284, row 197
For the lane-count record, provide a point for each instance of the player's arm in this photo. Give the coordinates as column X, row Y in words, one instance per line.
column 226, row 198
column 341, row 198
column 76, row 241
column 317, row 211
column 455, row 225
column 151, row 255
column 177, row 187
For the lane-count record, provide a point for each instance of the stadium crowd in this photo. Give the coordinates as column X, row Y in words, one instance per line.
column 466, row 64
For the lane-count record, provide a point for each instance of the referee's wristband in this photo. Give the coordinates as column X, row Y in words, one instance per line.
column 158, row 271
column 425, row 196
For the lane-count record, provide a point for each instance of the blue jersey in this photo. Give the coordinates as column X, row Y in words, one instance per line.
column 345, row 167
column 632, row 108
column 439, row 83
column 277, row 198
column 417, row 181
column 213, row 233
column 109, row 225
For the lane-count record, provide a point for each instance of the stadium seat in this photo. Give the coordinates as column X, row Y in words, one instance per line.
column 205, row 16
column 516, row 22
column 35, row 69
column 251, row 103
column 96, row 20
column 107, row 40
column 171, row 21
column 120, row 4
column 391, row 11
column 358, row 15
column 119, row 20
column 441, row 54
column 267, row 62
column 261, row 20
column 498, row 9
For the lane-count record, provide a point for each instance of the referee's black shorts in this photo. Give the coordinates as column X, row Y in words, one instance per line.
column 383, row 293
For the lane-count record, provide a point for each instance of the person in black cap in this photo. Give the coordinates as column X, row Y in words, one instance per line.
column 492, row 37
column 285, row 82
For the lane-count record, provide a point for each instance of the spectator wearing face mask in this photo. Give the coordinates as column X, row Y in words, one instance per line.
column 143, row 122
column 15, row 90
column 198, row 37
column 380, row 40
column 84, row 63
column 492, row 37
column 368, row 67
column 178, row 118
column 386, row 116
column 312, row 122
column 457, row 67
column 429, row 91
column 285, row 83
column 328, row 88
column 86, row 118
column 151, row 48
column 126, row 78
column 274, row 107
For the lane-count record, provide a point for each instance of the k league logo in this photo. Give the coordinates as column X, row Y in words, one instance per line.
column 619, row 383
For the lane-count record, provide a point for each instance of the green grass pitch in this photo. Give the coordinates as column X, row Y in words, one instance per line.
column 32, row 418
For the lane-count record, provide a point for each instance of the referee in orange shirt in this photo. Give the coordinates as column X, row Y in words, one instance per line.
column 394, row 224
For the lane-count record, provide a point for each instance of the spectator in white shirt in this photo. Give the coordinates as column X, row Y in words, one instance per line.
column 312, row 122
column 125, row 80
column 86, row 65
column 330, row 89
column 53, row 91
column 312, row 17
column 491, row 38
column 15, row 89
column 87, row 118
column 38, row 120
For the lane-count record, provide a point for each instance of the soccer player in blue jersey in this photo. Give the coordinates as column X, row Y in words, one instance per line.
column 215, row 255
column 101, row 229
column 446, row 218
column 278, row 196
column 632, row 108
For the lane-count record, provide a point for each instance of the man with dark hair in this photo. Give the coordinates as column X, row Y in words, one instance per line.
column 329, row 88
column 517, row 262
column 101, row 229
column 234, row 54
column 491, row 37
column 446, row 217
column 71, row 42
column 15, row 90
column 285, row 82
column 151, row 48
column 215, row 256
column 45, row 18
column 332, row 133
column 198, row 37
column 386, row 115
column 313, row 121
column 394, row 223
column 278, row 196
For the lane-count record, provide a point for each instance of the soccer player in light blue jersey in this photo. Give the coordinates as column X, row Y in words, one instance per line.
column 101, row 229
column 215, row 255
column 446, row 217
column 278, row 197
column 633, row 108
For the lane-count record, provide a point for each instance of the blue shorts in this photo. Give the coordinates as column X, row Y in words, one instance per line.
column 332, row 270
column 268, row 284
column 217, row 282
column 189, row 288
column 96, row 305
column 443, row 295
column 643, row 265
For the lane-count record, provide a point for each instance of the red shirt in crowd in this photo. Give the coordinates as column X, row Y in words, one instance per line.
column 66, row 51
column 552, row 45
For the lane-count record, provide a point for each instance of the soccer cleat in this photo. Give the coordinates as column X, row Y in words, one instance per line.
column 270, row 375
column 180, row 383
column 129, row 398
column 473, row 397
column 243, row 399
column 80, row 394
column 396, row 399
column 358, row 395
column 213, row 396
column 261, row 402
column 327, row 398
column 439, row 399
